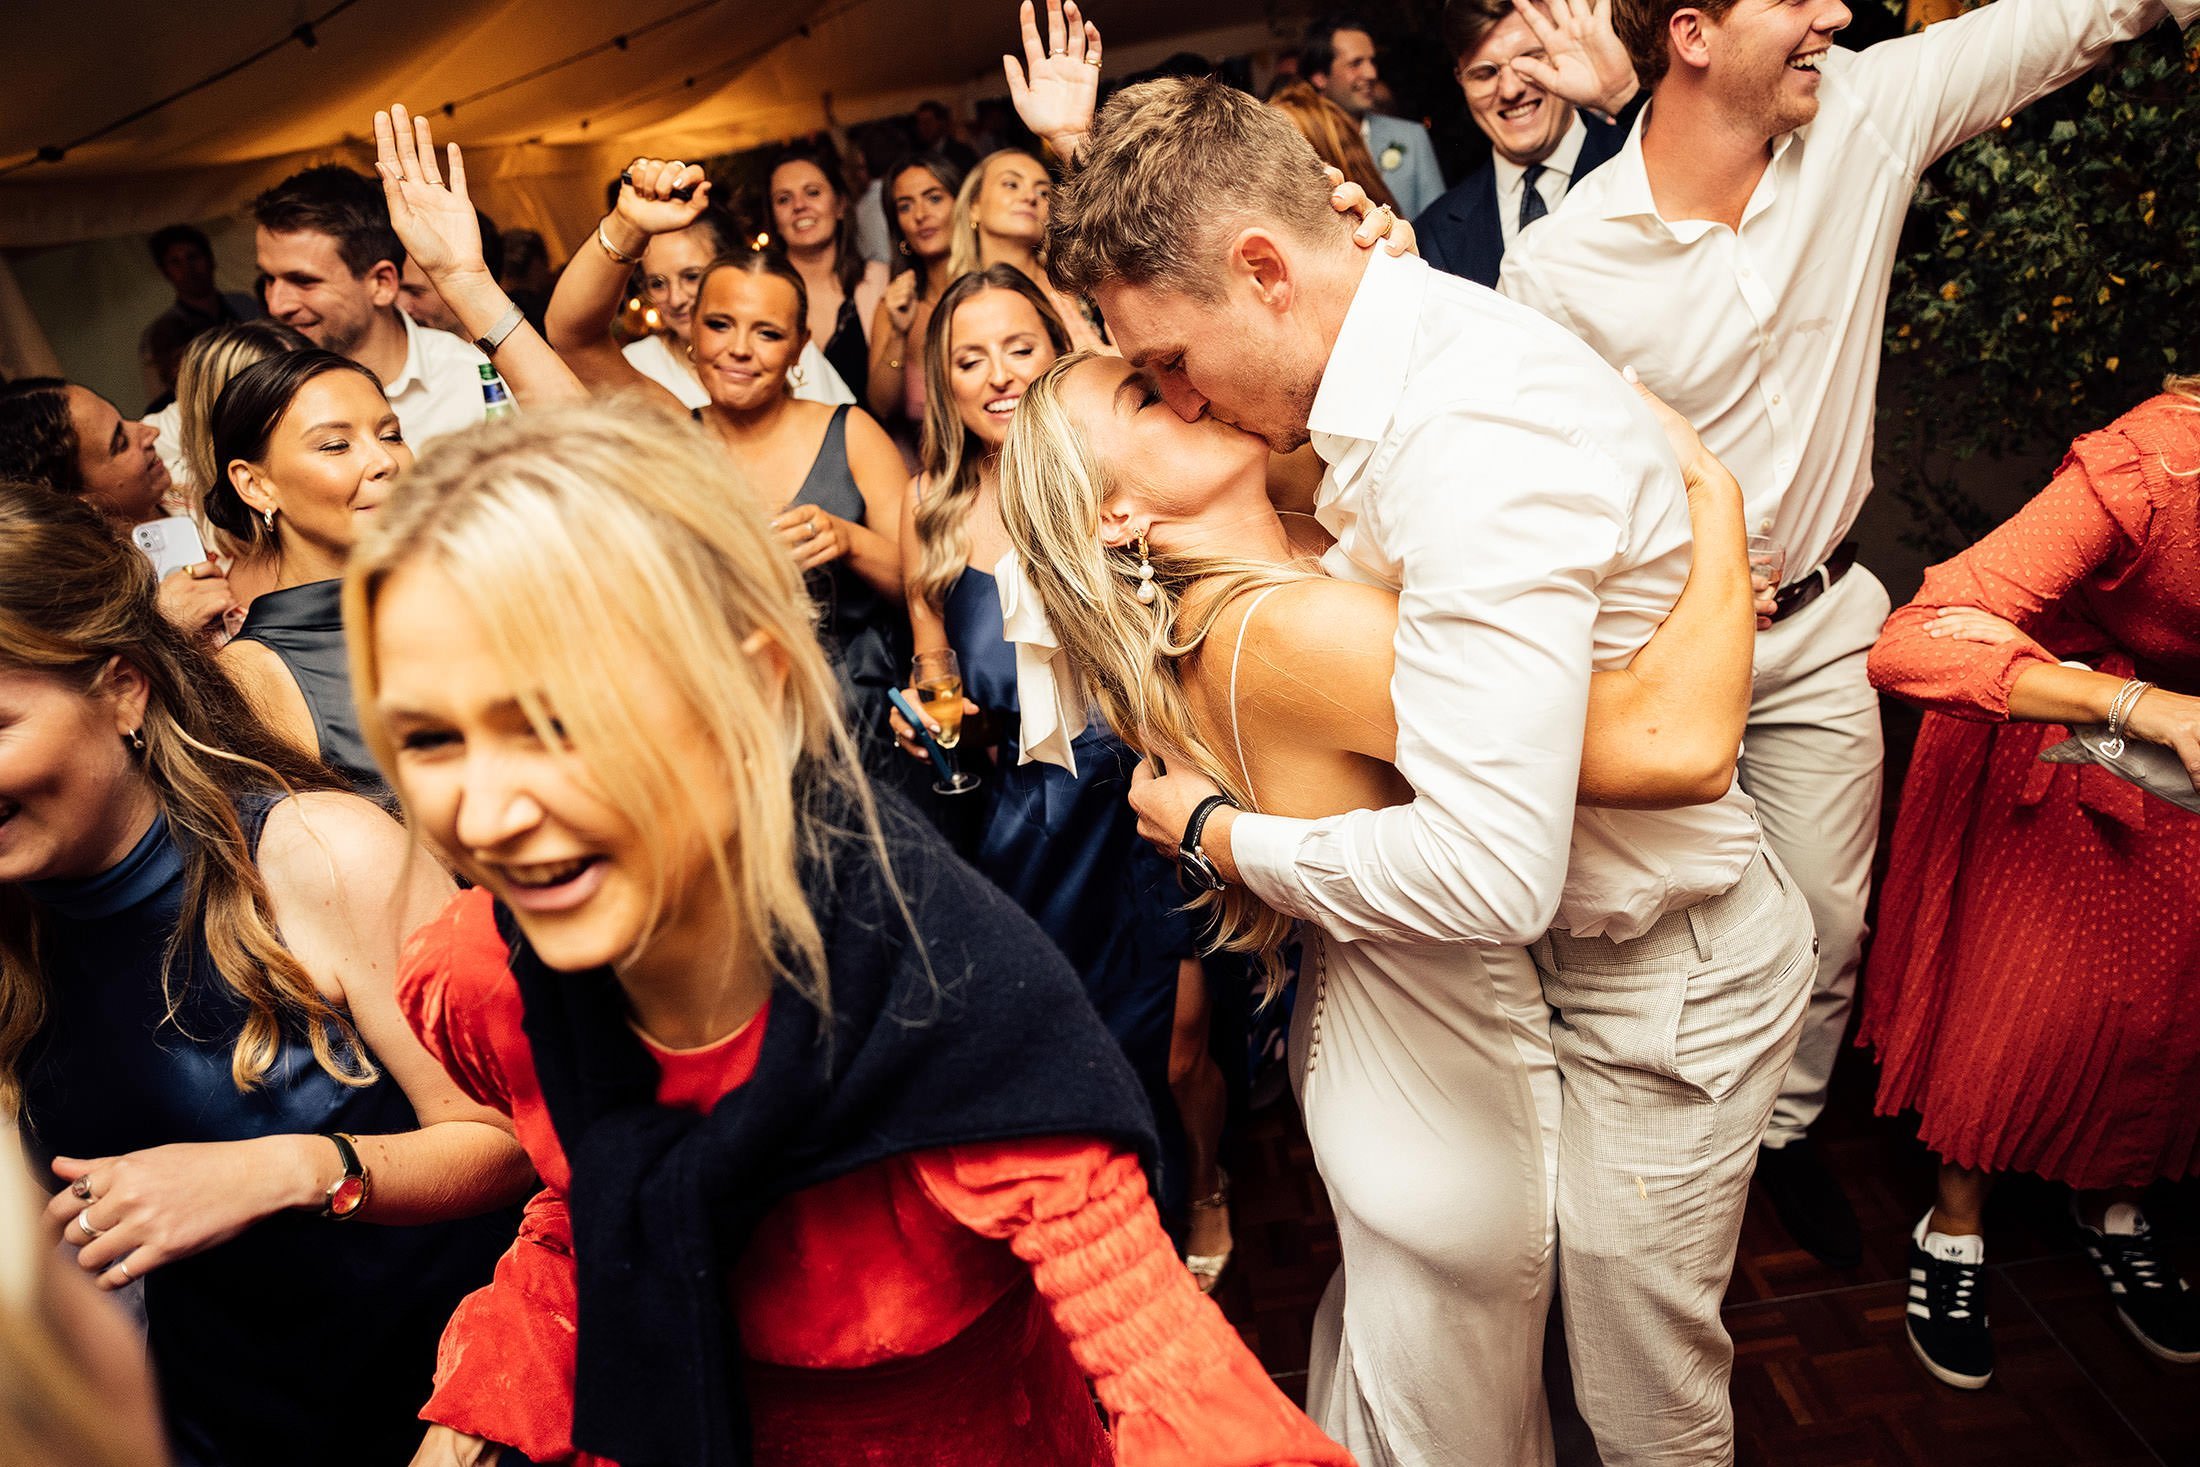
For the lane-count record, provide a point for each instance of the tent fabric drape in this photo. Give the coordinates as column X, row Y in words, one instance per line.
column 541, row 130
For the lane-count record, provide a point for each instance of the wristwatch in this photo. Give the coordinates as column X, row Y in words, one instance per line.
column 1194, row 870
column 505, row 326
column 348, row 1193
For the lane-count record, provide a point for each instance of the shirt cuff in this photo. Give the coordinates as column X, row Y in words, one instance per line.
column 1266, row 851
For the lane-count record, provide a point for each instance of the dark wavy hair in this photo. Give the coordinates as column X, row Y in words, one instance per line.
column 947, row 176
column 245, row 417
column 37, row 439
column 848, row 261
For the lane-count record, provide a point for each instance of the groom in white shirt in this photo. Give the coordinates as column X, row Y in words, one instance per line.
column 1526, row 507
column 1736, row 253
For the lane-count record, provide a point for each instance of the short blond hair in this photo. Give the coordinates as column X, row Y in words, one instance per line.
column 1170, row 166
column 586, row 537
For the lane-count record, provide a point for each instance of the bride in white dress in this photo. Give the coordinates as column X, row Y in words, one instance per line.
column 1424, row 1073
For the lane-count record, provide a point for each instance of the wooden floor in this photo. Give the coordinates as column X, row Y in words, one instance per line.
column 1823, row 1374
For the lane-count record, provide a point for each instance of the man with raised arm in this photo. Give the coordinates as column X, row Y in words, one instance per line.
column 1737, row 253
column 1525, row 506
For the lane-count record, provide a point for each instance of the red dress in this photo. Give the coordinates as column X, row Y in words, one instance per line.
column 2034, row 988
column 942, row 1307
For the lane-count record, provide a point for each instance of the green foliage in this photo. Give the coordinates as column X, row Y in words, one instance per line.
column 2050, row 277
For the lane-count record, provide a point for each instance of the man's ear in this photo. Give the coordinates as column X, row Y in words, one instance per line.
column 1687, row 33
column 1258, row 260
column 381, row 280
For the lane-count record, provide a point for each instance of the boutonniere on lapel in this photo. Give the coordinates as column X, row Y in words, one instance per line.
column 1392, row 157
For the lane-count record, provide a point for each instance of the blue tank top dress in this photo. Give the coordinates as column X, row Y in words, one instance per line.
column 1065, row 847
column 301, row 1339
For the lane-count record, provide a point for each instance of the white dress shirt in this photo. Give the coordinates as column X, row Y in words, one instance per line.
column 1526, row 507
column 652, row 357
column 1557, row 176
column 1768, row 339
column 439, row 390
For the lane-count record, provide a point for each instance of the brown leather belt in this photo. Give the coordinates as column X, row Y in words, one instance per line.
column 1799, row 594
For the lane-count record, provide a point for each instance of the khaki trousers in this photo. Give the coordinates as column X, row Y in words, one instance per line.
column 1671, row 1049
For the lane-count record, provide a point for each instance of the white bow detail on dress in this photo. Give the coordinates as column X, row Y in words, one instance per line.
column 1047, row 688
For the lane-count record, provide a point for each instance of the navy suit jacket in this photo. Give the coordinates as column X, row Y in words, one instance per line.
column 1460, row 231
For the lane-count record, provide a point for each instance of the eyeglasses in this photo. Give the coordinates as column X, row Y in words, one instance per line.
column 1482, row 78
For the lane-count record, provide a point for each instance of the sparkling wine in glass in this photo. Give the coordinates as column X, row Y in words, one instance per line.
column 937, row 677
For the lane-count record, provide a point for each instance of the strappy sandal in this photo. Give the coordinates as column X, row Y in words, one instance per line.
column 1207, row 1268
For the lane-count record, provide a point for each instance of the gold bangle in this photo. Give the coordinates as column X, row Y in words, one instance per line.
column 604, row 241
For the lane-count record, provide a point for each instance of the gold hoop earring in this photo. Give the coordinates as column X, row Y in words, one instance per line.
column 1146, row 588
column 796, row 376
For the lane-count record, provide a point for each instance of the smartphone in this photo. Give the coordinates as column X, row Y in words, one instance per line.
column 915, row 720
column 171, row 544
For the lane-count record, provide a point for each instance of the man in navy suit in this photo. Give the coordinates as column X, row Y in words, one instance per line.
column 1517, row 64
column 1339, row 60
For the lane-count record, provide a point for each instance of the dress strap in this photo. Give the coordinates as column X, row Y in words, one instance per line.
column 1237, row 736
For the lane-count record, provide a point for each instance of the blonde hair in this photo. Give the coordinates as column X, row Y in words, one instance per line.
column 964, row 254
column 954, row 460
column 1171, row 167
column 585, row 537
column 1335, row 138
column 73, row 600
column 2185, row 385
column 53, row 1409
column 1128, row 653
column 212, row 358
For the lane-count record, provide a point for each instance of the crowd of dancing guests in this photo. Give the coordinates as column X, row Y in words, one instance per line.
column 695, row 899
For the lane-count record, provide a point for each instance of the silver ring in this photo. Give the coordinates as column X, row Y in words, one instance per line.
column 81, row 1189
column 125, row 1271
column 85, row 1227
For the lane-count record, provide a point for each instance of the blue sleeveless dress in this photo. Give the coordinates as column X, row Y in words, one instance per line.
column 1065, row 847
column 301, row 1339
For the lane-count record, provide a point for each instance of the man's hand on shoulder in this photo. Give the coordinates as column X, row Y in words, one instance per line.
column 1165, row 803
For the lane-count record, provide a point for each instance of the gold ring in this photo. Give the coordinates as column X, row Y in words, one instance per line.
column 1092, row 61
column 81, row 1189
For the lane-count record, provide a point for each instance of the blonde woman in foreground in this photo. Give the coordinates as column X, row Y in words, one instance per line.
column 1425, row 1073
column 841, row 1166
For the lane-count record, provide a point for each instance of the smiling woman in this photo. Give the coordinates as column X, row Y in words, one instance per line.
column 73, row 441
column 860, row 1093
column 307, row 447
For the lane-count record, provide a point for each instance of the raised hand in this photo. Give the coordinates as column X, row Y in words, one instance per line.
column 1583, row 60
column 434, row 220
column 1057, row 88
column 646, row 201
column 901, row 301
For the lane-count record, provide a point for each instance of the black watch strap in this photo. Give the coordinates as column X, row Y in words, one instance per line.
column 1198, row 823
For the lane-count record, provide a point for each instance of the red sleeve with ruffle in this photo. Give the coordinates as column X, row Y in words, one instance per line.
column 504, row 1367
column 1181, row 1388
column 2093, row 517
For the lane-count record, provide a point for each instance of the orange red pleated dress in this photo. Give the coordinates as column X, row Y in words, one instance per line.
column 2034, row 988
column 938, row 1309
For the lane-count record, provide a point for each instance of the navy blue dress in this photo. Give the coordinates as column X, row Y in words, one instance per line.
column 301, row 1339
column 1066, row 848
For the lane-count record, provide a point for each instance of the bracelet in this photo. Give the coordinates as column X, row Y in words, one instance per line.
column 2119, row 708
column 612, row 250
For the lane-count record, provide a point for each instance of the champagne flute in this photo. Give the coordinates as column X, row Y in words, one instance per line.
column 937, row 678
